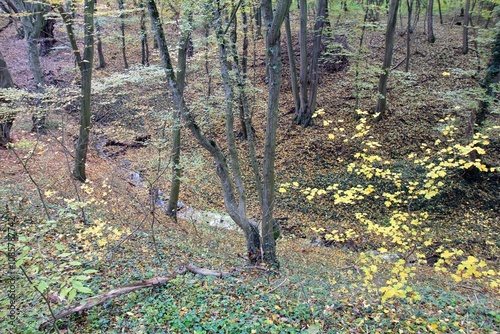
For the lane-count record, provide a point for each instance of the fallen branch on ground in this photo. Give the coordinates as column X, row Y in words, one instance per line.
column 86, row 304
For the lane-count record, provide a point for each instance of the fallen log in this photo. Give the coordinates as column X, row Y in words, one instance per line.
column 86, row 304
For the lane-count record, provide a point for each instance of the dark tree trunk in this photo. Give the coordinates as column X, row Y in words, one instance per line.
column 100, row 54
column 440, row 12
column 465, row 33
column 293, row 66
column 85, row 64
column 6, row 120
column 122, row 31
column 144, row 37
column 430, row 26
column 314, row 75
column 304, row 116
column 386, row 66
column 409, row 4
column 47, row 36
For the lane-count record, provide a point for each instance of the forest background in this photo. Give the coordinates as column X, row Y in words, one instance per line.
column 379, row 211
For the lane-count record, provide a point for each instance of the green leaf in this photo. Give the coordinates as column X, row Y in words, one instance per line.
column 64, row 255
column 60, row 247
column 75, row 263
column 81, row 277
column 89, row 271
column 19, row 263
column 42, row 286
column 64, row 291
column 71, row 295
column 77, row 284
column 84, row 289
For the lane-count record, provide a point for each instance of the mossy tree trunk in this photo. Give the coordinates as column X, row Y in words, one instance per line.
column 6, row 119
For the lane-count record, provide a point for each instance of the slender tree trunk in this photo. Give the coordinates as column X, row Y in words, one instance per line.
column 386, row 66
column 258, row 21
column 144, row 36
column 100, row 54
column 430, row 27
column 409, row 4
column 465, row 34
column 85, row 65
column 440, row 12
column 176, row 128
column 122, row 31
column 293, row 66
column 47, row 36
column 304, row 116
column 314, row 75
column 249, row 229
column 273, row 22
column 6, row 120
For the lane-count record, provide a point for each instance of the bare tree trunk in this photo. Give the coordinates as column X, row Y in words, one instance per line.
column 100, row 54
column 144, row 37
column 314, row 75
column 249, row 229
column 465, row 34
column 176, row 128
column 440, row 12
column 430, row 27
column 122, row 30
column 304, row 116
column 409, row 4
column 293, row 66
column 386, row 66
column 273, row 22
column 6, row 120
column 85, row 64
column 47, row 36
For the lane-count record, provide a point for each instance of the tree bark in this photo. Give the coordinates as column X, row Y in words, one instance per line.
column 293, row 66
column 314, row 75
column 465, row 33
column 409, row 32
column 100, row 54
column 7, row 119
column 304, row 116
column 85, row 64
column 273, row 22
column 386, row 66
column 122, row 30
column 430, row 23
column 144, row 37
column 176, row 128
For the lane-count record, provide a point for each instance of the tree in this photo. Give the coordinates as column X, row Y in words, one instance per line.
column 32, row 19
column 381, row 107
column 465, row 33
column 257, row 250
column 84, row 63
column 6, row 119
column 308, row 104
column 121, row 7
column 430, row 27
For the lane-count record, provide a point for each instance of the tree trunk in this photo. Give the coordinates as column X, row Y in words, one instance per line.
column 100, row 54
column 409, row 4
column 465, row 34
column 144, row 37
column 7, row 119
column 47, row 36
column 176, row 128
column 122, row 31
column 430, row 27
column 249, row 229
column 386, row 66
column 273, row 22
column 85, row 64
column 314, row 75
column 440, row 12
column 293, row 66
column 304, row 116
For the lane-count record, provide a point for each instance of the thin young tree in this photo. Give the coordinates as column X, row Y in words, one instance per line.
column 465, row 24
column 257, row 251
column 430, row 23
column 121, row 7
column 381, row 107
column 84, row 63
column 6, row 119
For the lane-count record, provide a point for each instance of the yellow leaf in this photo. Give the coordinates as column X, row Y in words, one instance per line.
column 282, row 190
column 446, row 74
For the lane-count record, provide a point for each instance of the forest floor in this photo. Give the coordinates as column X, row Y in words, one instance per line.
column 318, row 289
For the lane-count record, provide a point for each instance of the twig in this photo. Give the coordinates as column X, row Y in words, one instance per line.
column 277, row 287
column 44, row 298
